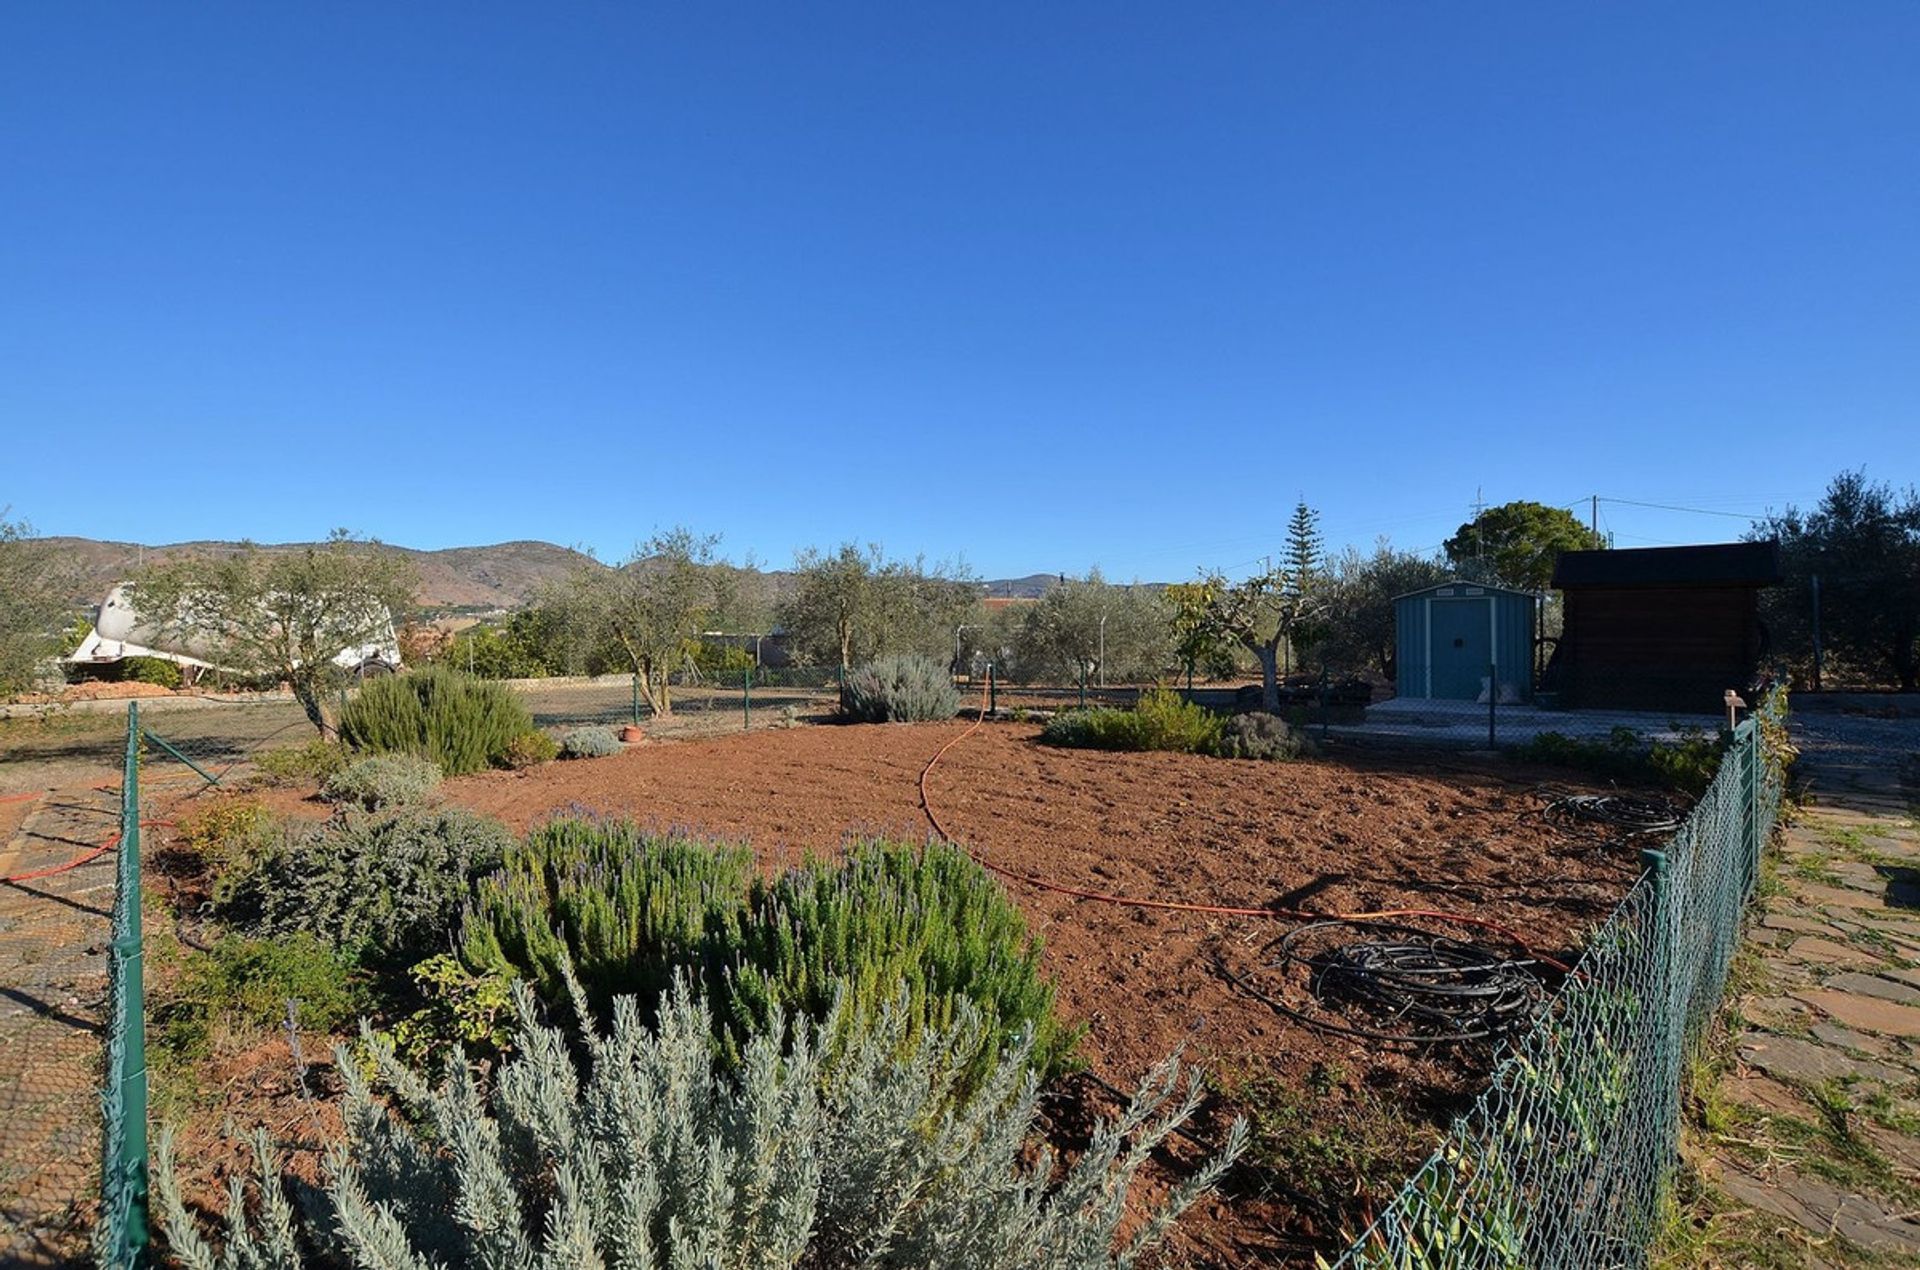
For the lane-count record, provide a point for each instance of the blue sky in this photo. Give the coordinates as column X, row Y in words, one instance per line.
column 1038, row 285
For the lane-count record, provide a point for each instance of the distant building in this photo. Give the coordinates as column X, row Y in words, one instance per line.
column 1661, row 628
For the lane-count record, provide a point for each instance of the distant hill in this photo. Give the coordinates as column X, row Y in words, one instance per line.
column 505, row 575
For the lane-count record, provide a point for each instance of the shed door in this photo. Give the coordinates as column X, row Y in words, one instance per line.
column 1462, row 635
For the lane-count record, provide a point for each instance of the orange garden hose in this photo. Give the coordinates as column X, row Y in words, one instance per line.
column 1183, row 906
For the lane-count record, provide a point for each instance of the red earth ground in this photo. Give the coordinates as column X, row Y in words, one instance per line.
column 1356, row 831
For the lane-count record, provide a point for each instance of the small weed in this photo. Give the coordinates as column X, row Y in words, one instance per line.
column 1329, row 1140
column 242, row 987
column 1815, row 866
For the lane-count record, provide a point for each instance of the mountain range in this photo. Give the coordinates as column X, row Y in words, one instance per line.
column 504, row 575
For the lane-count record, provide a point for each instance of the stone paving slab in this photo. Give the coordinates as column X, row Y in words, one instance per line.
column 1835, row 1037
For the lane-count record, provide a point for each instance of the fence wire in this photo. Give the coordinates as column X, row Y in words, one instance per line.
column 1564, row 1160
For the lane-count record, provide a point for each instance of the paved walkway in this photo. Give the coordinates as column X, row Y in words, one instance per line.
column 1809, row 1135
column 53, row 936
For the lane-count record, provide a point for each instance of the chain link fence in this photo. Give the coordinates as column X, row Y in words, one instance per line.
column 1564, row 1160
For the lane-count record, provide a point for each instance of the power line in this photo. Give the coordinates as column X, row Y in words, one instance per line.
column 1669, row 507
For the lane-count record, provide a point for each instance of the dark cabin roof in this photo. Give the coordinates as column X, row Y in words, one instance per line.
column 1716, row 564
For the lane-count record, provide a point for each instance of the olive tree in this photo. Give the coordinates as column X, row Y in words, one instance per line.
column 855, row 604
column 652, row 607
column 1359, row 627
column 1858, row 550
column 284, row 612
column 1281, row 607
column 35, row 604
column 1120, row 632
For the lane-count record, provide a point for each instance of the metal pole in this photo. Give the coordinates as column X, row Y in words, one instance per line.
column 127, row 943
column 746, row 700
column 993, row 692
column 205, row 775
column 1817, row 657
column 1493, row 695
column 636, row 698
column 1103, row 657
column 1083, row 685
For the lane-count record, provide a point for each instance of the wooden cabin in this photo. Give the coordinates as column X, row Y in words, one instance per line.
column 1660, row 628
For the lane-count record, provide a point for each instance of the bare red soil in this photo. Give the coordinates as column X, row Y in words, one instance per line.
column 1344, row 834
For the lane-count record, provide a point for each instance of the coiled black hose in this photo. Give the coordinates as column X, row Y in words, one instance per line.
column 1410, row 985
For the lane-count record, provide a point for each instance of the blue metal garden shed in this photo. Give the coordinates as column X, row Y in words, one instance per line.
column 1447, row 636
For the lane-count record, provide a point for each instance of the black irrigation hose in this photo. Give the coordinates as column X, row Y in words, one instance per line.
column 1632, row 814
column 1439, row 990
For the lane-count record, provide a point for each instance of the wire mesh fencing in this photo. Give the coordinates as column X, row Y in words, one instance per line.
column 1564, row 1160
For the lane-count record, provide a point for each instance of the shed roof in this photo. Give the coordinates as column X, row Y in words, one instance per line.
column 1468, row 588
column 1712, row 564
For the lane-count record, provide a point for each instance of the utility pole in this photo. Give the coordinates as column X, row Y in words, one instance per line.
column 1593, row 517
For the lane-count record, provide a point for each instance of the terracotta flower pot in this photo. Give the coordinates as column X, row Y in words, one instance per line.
column 632, row 734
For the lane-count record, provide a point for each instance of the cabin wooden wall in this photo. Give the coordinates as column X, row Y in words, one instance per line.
column 1659, row 648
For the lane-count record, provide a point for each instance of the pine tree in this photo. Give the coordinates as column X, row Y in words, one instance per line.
column 1305, row 550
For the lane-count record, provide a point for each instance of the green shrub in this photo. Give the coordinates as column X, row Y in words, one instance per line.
column 458, row 723
column 1687, row 764
column 387, row 885
column 530, row 749
column 382, row 780
column 908, row 689
column 629, row 909
column 296, row 764
column 460, row 1008
column 593, row 742
column 1160, row 720
column 225, row 832
column 1259, row 736
column 887, row 915
column 245, row 984
column 625, row 907
column 148, row 670
column 861, row 1157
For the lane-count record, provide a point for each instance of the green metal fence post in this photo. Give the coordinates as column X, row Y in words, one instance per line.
column 1493, row 695
column 130, row 1162
column 1668, row 1015
column 1083, row 684
column 993, row 692
column 746, row 700
column 636, row 697
column 1754, row 770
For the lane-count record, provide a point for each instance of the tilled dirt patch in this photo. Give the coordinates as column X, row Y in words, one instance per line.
column 1341, row 834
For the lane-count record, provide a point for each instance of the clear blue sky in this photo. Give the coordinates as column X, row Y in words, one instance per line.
column 1039, row 285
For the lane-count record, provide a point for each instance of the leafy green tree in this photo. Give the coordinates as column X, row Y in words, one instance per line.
column 1120, row 632
column 1863, row 543
column 285, row 613
column 651, row 608
column 35, row 605
column 1515, row 544
column 1360, row 620
column 854, row 605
